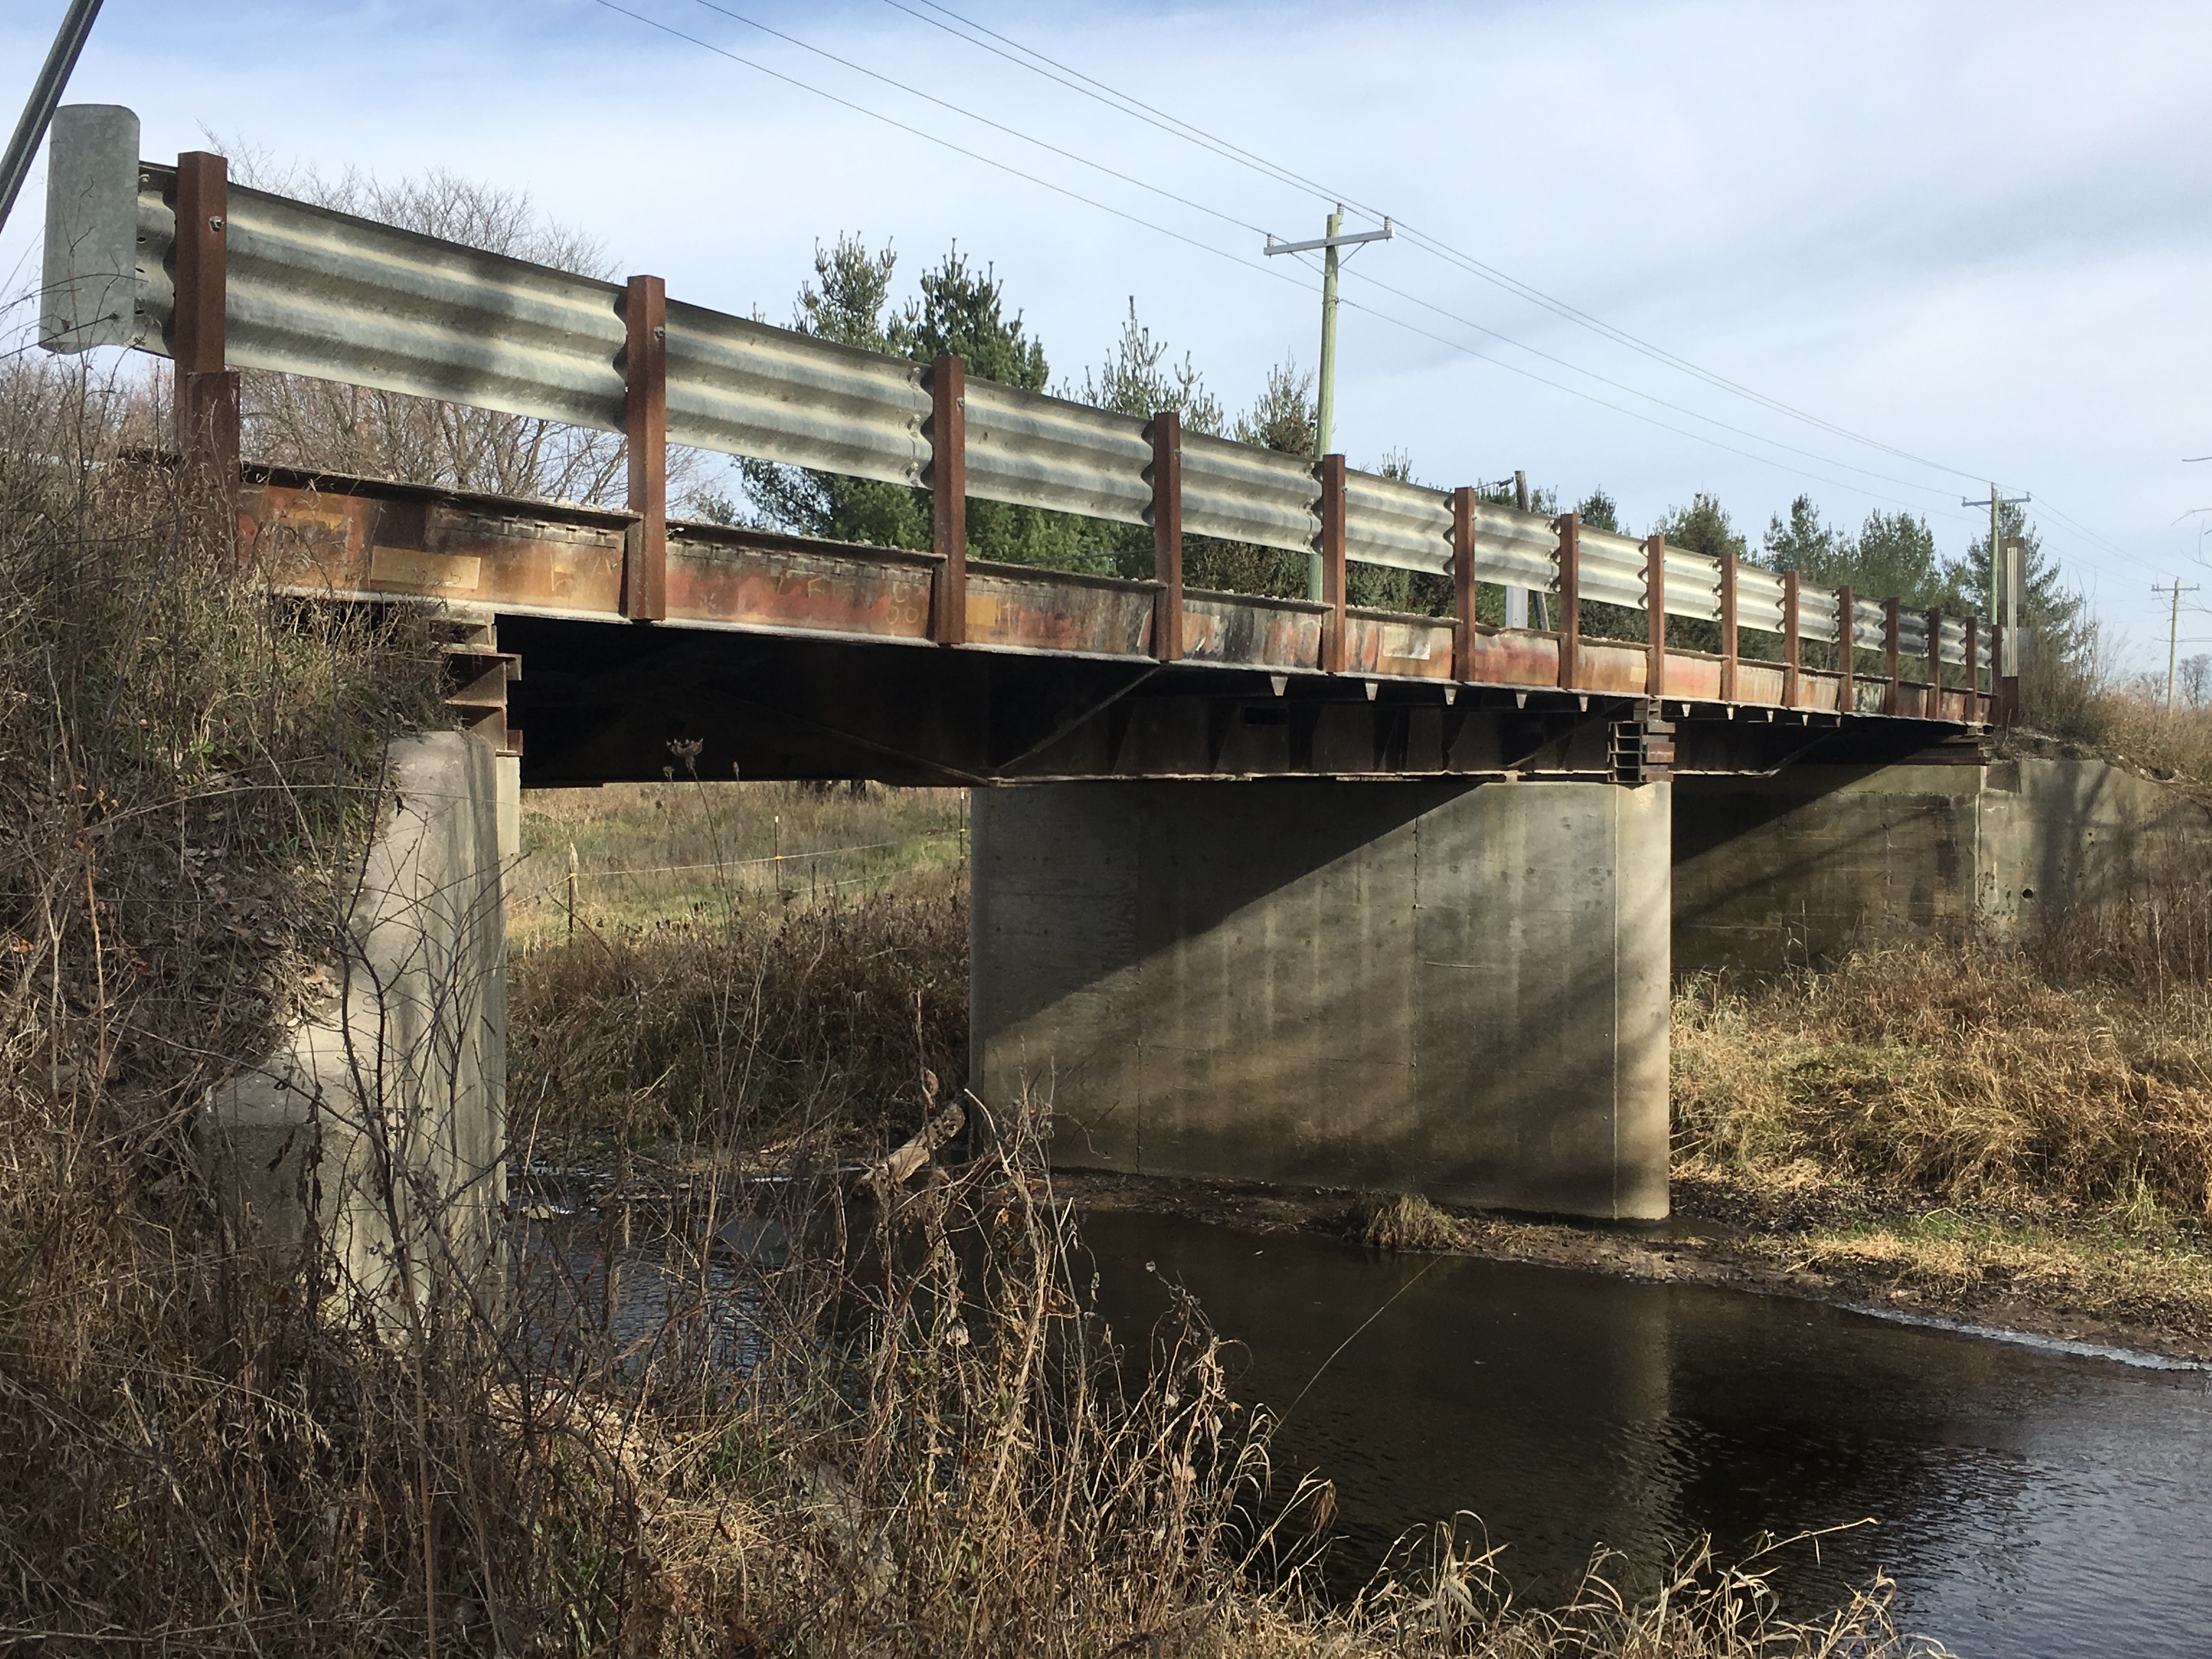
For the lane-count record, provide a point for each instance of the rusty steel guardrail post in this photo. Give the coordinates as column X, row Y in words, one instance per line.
column 1167, row 535
column 1335, row 644
column 645, row 380
column 948, row 493
column 1847, row 650
column 206, row 392
column 1463, row 534
column 1655, row 613
column 1972, row 654
column 1792, row 650
column 1569, row 527
column 1933, row 709
column 1727, row 627
column 1892, row 669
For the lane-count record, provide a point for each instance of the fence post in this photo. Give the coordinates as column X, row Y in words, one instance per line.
column 1655, row 608
column 1847, row 650
column 1335, row 648
column 1167, row 535
column 1727, row 627
column 1792, row 651
column 1891, row 668
column 1569, row 527
column 1463, row 534
column 206, row 392
column 948, row 492
column 1933, row 709
column 645, row 379
column 1973, row 655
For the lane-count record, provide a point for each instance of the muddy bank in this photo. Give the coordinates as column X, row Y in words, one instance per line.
column 2013, row 1273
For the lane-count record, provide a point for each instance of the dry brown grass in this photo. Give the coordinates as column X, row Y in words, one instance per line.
column 1981, row 1128
column 908, row 1440
column 773, row 1020
column 1963, row 1076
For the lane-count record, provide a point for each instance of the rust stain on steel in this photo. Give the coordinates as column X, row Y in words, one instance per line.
column 1817, row 690
column 1697, row 677
column 1227, row 627
column 1757, row 681
column 417, row 545
column 1412, row 647
column 804, row 589
column 1513, row 657
column 1607, row 666
column 1046, row 611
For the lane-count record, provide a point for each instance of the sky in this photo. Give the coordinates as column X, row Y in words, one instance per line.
column 1969, row 242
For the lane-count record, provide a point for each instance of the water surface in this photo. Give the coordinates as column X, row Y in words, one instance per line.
column 2030, row 1503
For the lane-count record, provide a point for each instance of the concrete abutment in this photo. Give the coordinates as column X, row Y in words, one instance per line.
column 1798, row 868
column 1458, row 990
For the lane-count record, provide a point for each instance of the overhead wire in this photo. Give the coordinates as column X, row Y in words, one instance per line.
column 1252, row 264
column 1237, row 259
column 1065, row 75
column 1114, row 97
column 1223, row 147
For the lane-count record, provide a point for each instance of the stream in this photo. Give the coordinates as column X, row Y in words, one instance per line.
column 2029, row 1502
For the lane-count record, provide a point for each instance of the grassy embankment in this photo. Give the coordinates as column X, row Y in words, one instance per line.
column 211, row 1448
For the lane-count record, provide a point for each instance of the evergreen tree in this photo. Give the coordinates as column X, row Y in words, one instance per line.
column 959, row 310
column 1599, row 511
column 1137, row 379
column 2045, row 606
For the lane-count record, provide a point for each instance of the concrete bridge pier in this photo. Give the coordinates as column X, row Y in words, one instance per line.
column 1449, row 988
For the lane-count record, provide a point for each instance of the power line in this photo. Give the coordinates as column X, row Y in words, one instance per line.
column 1230, row 219
column 1040, row 64
column 999, row 126
column 1286, row 176
column 1191, row 241
column 958, row 150
column 1177, row 126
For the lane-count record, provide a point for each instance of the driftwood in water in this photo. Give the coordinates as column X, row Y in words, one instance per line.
column 939, row 1126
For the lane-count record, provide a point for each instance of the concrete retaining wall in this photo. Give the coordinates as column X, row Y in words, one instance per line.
column 1455, row 989
column 381, row 1126
column 1802, row 866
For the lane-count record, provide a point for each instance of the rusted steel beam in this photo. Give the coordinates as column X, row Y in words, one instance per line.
column 1728, row 629
column 1933, row 708
column 948, row 491
column 206, row 392
column 1791, row 651
column 203, row 215
column 645, row 375
column 1462, row 581
column 1167, row 535
column 1569, row 526
column 1335, row 641
column 1973, row 675
column 1654, row 611
column 1847, row 651
column 1891, row 668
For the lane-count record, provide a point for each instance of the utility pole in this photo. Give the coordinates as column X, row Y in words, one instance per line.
column 2173, row 632
column 1325, row 419
column 1997, row 503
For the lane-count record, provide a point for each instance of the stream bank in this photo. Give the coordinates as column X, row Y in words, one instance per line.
column 2072, row 1283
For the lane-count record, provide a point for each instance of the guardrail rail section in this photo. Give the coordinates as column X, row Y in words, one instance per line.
column 179, row 262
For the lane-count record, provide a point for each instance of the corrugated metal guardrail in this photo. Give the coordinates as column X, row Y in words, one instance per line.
column 315, row 292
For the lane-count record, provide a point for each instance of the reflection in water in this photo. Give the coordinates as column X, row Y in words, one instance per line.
column 2030, row 1504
